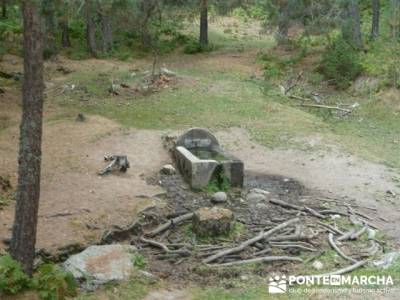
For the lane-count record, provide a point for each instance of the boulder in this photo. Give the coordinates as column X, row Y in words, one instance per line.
column 102, row 264
column 212, row 221
column 257, row 195
column 219, row 197
column 168, row 170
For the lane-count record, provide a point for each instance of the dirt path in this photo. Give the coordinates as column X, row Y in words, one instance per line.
column 76, row 204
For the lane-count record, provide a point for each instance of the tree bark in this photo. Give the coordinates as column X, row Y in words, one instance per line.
column 351, row 26
column 394, row 20
column 4, row 9
column 65, row 39
column 49, row 14
column 90, row 29
column 283, row 22
column 376, row 11
column 28, row 188
column 107, row 34
column 204, row 23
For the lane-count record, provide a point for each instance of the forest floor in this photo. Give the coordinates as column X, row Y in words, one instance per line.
column 352, row 158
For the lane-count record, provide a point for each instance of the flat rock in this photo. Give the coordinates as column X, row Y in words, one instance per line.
column 212, row 221
column 168, row 170
column 102, row 264
column 219, row 197
column 255, row 197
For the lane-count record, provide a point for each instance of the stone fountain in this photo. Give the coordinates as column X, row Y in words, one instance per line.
column 200, row 159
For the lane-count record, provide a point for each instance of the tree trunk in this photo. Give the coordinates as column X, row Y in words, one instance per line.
column 106, row 31
column 394, row 20
column 49, row 14
column 28, row 188
column 4, row 9
column 376, row 11
column 204, row 23
column 90, row 29
column 283, row 22
column 351, row 27
column 65, row 40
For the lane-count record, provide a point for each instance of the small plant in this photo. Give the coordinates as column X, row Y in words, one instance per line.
column 340, row 64
column 52, row 283
column 12, row 278
column 139, row 261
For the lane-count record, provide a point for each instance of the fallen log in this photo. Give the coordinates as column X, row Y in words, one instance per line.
column 296, row 207
column 170, row 223
column 336, row 248
column 258, row 260
column 245, row 244
column 348, row 111
column 344, row 270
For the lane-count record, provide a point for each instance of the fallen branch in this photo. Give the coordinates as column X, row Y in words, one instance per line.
column 258, row 260
column 344, row 270
column 336, row 248
column 327, row 107
column 335, row 230
column 296, row 207
column 170, row 223
column 245, row 244
column 164, row 247
column 285, row 246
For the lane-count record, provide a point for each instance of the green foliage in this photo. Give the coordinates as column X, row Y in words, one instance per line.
column 193, row 47
column 12, row 279
column 52, row 283
column 340, row 64
column 139, row 261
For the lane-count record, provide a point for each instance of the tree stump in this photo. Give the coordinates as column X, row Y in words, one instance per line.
column 212, row 221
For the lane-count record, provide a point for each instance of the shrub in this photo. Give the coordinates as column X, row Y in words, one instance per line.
column 52, row 283
column 12, row 278
column 340, row 64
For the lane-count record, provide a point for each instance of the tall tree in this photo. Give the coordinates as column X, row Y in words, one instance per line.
column 90, row 28
column 394, row 19
column 28, row 188
column 203, row 40
column 351, row 23
column 64, row 26
column 50, row 27
column 376, row 12
column 283, row 21
column 4, row 9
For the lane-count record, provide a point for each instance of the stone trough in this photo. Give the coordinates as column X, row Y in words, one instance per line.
column 201, row 160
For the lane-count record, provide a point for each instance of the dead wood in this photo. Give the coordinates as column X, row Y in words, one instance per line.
column 334, row 229
column 345, row 110
column 258, row 260
column 117, row 163
column 336, row 248
column 345, row 270
column 286, row 246
column 164, row 247
column 296, row 207
column 262, row 236
column 174, row 221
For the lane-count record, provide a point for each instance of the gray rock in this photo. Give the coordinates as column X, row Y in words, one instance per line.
column 168, row 170
column 260, row 191
column 387, row 260
column 149, row 276
column 255, row 197
column 102, row 264
column 219, row 197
